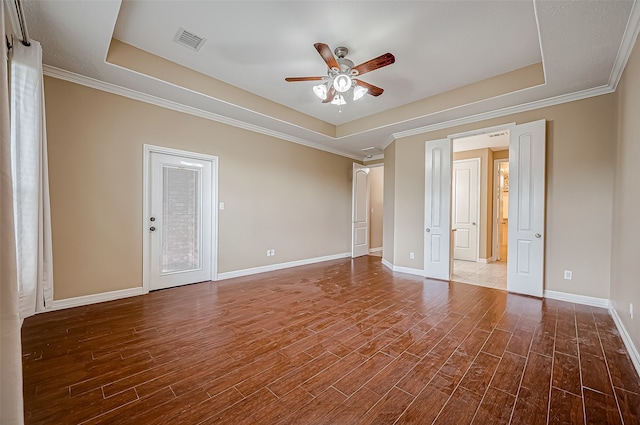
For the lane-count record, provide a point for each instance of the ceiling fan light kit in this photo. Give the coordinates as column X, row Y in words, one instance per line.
column 340, row 84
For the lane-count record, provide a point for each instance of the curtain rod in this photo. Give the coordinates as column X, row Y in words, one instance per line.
column 22, row 23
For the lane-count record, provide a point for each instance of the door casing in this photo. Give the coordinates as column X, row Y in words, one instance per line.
column 146, row 207
column 511, row 235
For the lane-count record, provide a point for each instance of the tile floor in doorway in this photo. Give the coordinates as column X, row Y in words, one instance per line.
column 490, row 275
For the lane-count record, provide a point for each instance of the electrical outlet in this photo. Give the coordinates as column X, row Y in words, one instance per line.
column 268, row 253
column 568, row 274
column 273, row 252
column 631, row 310
column 412, row 256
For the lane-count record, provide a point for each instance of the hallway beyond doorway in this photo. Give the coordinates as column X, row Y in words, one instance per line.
column 490, row 275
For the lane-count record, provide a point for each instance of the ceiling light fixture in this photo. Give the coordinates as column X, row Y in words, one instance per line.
column 321, row 91
column 338, row 100
column 340, row 86
column 342, row 83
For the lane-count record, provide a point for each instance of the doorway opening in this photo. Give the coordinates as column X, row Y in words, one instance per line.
column 376, row 198
column 501, row 210
column 475, row 231
column 367, row 210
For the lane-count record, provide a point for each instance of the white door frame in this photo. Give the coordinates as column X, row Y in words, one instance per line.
column 479, row 162
column 495, row 246
column 450, row 139
column 146, row 207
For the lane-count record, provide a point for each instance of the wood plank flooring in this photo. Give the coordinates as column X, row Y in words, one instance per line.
column 342, row 342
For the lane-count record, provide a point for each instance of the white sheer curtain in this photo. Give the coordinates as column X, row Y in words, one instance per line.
column 30, row 179
column 11, row 410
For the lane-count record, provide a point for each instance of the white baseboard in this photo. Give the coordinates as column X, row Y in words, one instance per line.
column 372, row 250
column 280, row 266
column 578, row 299
column 95, row 298
column 484, row 260
column 387, row 264
column 626, row 338
column 401, row 269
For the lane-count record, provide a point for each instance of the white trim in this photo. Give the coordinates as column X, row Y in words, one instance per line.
column 179, row 107
column 578, row 299
column 147, row 150
column 372, row 250
column 497, row 113
column 626, row 46
column 387, row 264
column 626, row 338
column 484, row 260
column 540, row 46
column 280, row 266
column 154, row 100
column 402, row 269
column 95, row 298
column 485, row 130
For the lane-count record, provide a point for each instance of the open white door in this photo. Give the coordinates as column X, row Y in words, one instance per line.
column 360, row 211
column 437, row 237
column 525, row 269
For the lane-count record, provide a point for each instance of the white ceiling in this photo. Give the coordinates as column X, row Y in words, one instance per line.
column 438, row 45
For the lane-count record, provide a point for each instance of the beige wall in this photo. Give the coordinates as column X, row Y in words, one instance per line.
column 486, row 206
column 580, row 176
column 388, row 229
column 277, row 194
column 376, row 197
column 625, row 279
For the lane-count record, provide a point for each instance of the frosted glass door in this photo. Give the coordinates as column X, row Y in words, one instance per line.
column 180, row 221
column 181, row 215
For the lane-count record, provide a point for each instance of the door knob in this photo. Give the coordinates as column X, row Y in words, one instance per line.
column 428, row 230
column 538, row 235
column 473, row 224
column 152, row 229
column 152, row 219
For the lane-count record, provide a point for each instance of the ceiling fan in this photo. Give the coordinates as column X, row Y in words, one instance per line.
column 340, row 83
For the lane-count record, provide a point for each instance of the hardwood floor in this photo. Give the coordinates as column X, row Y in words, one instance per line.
column 342, row 342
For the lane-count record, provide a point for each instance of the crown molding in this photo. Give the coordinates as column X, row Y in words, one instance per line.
column 82, row 80
column 497, row 113
column 470, row 119
column 628, row 41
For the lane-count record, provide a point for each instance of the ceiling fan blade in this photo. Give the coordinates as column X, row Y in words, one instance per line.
column 372, row 90
column 373, row 64
column 330, row 95
column 327, row 55
column 294, row 79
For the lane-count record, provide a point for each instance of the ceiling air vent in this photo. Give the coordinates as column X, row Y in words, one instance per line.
column 189, row 39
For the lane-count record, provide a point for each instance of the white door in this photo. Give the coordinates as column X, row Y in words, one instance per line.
column 437, row 209
column 179, row 220
column 465, row 209
column 525, row 267
column 360, row 211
